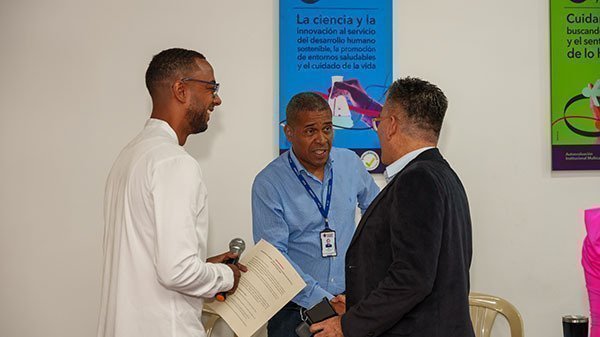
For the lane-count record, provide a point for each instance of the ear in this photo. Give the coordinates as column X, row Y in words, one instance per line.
column 179, row 91
column 393, row 127
column 289, row 133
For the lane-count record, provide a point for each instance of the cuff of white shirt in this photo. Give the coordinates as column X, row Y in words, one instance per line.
column 226, row 275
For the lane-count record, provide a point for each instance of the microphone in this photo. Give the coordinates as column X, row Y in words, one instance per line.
column 236, row 246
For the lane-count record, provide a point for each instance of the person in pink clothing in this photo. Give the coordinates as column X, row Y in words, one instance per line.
column 590, row 260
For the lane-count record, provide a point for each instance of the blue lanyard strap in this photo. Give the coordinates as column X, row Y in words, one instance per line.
column 324, row 211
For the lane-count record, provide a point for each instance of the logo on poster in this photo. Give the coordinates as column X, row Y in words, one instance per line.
column 577, row 1
column 310, row 2
column 370, row 159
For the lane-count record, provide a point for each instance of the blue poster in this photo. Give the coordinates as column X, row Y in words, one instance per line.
column 342, row 50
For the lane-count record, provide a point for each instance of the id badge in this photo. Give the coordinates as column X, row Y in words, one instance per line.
column 328, row 248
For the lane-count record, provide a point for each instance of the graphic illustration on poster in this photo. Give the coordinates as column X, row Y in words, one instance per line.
column 351, row 105
column 589, row 93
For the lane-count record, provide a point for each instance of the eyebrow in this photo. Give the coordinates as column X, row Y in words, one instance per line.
column 314, row 124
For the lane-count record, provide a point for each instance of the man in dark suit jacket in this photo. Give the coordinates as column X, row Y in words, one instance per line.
column 407, row 267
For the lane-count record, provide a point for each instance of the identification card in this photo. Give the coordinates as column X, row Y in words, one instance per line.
column 328, row 248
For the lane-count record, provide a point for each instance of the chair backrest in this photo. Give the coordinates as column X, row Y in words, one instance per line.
column 484, row 308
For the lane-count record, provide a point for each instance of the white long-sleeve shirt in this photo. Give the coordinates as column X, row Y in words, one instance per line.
column 156, row 227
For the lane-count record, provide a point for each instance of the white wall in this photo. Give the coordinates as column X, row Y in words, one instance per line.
column 72, row 94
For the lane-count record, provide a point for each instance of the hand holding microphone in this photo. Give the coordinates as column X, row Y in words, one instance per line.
column 231, row 259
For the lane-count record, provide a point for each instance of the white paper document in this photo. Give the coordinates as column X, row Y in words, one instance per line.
column 269, row 284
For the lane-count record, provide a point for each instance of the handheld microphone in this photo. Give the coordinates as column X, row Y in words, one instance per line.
column 236, row 246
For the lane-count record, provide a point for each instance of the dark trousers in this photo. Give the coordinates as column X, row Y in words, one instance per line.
column 284, row 323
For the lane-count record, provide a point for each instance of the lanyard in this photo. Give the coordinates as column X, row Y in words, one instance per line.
column 324, row 211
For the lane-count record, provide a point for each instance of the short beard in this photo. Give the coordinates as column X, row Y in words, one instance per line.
column 196, row 121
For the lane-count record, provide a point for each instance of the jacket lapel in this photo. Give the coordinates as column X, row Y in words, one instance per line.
column 361, row 223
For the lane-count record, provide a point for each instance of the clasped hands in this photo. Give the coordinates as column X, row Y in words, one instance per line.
column 331, row 327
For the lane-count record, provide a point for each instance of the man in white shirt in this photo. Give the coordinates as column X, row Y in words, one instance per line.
column 155, row 273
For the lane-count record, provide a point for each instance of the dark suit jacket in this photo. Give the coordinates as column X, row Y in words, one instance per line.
column 407, row 267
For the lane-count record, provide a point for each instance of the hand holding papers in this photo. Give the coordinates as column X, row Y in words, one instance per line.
column 269, row 284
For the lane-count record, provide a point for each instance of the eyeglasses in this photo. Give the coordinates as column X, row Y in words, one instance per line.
column 375, row 122
column 215, row 85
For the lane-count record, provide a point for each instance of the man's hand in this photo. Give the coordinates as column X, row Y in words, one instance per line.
column 328, row 328
column 221, row 258
column 339, row 304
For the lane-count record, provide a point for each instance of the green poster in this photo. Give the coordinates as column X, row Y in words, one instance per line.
column 575, row 78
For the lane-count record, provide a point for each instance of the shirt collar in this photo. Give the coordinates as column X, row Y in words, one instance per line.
column 159, row 123
column 301, row 167
column 401, row 163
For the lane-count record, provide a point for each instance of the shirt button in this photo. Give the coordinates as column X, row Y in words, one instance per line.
column 332, row 280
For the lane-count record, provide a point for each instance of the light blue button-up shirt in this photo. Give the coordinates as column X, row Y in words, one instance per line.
column 285, row 215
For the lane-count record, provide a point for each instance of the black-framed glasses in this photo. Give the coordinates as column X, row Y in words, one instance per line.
column 215, row 84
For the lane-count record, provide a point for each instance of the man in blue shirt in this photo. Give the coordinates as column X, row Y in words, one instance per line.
column 304, row 203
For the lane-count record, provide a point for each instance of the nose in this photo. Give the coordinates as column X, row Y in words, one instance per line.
column 321, row 138
column 217, row 100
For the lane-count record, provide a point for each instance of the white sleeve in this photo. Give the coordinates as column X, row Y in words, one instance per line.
column 179, row 196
